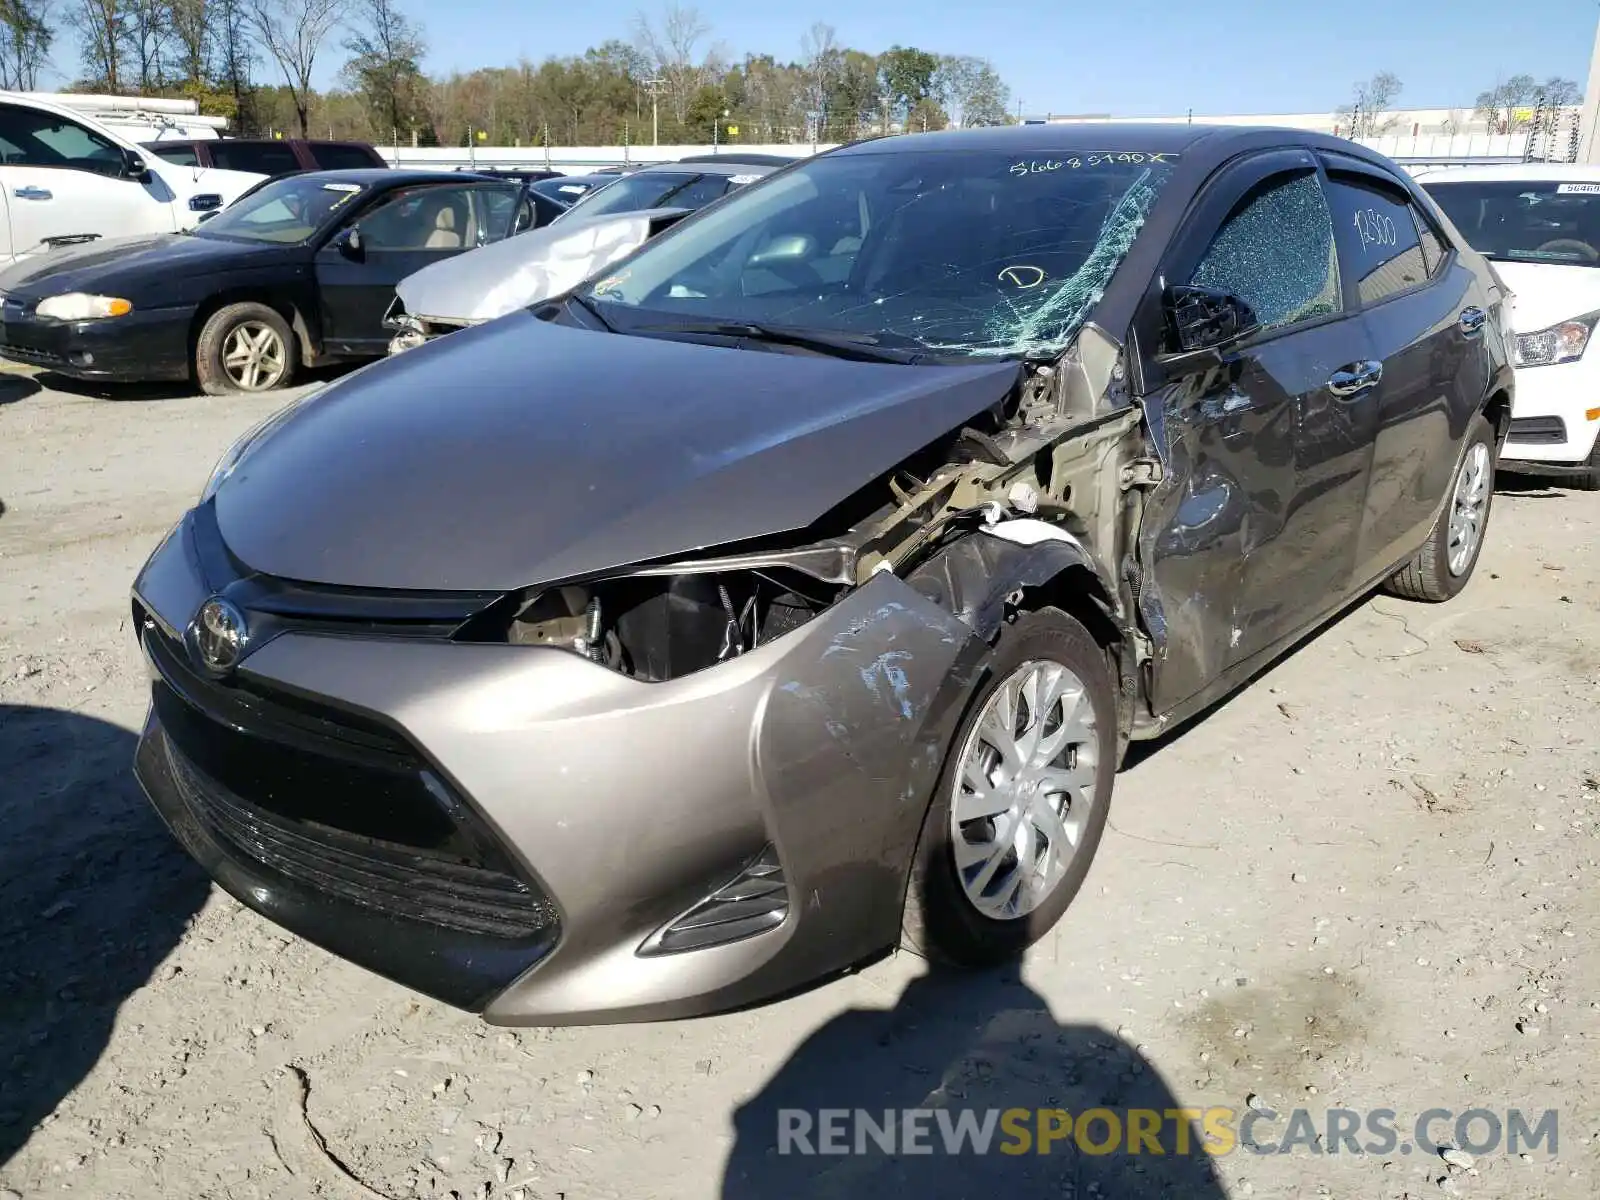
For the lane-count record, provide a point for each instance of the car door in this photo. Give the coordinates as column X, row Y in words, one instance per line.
column 63, row 180
column 1253, row 532
column 404, row 231
column 1426, row 331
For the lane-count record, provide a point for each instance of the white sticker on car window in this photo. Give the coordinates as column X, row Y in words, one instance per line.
column 341, row 187
column 1578, row 189
column 743, row 178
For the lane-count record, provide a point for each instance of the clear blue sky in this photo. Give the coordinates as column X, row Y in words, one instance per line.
column 1132, row 57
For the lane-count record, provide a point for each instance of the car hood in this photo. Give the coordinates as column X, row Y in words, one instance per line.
column 1546, row 293
column 114, row 262
column 521, row 453
column 504, row 276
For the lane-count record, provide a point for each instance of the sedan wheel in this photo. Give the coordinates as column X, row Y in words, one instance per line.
column 1023, row 799
column 1441, row 568
column 254, row 357
column 1024, row 790
column 1469, row 506
column 244, row 347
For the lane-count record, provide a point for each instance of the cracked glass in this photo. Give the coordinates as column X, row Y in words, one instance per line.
column 1276, row 253
column 976, row 253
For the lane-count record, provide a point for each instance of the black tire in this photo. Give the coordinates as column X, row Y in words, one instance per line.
column 940, row 923
column 213, row 374
column 1589, row 481
column 1427, row 577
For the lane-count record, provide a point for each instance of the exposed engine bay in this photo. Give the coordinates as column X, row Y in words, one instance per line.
column 1062, row 458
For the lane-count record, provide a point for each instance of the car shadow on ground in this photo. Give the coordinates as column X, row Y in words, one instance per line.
column 14, row 387
column 967, row 1046
column 178, row 390
column 93, row 895
column 1530, row 487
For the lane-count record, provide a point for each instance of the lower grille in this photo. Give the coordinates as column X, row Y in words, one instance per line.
column 336, row 802
column 393, row 879
column 1537, row 431
column 31, row 355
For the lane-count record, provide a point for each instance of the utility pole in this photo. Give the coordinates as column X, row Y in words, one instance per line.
column 653, row 86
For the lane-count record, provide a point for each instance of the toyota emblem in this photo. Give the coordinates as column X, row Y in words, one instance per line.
column 219, row 635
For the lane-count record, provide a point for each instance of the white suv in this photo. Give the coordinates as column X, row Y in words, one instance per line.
column 69, row 179
column 1539, row 223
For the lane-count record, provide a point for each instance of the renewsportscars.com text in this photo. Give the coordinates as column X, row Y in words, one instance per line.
column 1150, row 1131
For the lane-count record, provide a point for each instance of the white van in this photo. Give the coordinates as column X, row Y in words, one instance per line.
column 65, row 179
column 1539, row 223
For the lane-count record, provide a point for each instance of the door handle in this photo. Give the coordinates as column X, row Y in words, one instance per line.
column 1355, row 379
column 1472, row 320
column 31, row 193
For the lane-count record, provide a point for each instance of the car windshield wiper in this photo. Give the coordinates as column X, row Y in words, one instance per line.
column 866, row 347
column 593, row 309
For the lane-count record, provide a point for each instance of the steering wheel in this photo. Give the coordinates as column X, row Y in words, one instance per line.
column 1570, row 246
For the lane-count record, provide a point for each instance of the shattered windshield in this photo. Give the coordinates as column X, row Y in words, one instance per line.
column 965, row 252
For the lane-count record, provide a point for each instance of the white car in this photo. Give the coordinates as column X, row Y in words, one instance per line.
column 68, row 179
column 1539, row 223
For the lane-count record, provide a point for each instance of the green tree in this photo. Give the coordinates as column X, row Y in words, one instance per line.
column 385, row 70
column 908, row 78
column 974, row 90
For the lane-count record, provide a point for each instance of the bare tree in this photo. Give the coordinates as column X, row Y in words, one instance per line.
column 102, row 28
column 820, row 50
column 1369, row 103
column 228, row 22
column 24, row 43
column 292, row 32
column 673, row 49
column 149, row 28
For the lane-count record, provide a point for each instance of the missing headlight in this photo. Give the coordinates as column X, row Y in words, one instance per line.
column 660, row 627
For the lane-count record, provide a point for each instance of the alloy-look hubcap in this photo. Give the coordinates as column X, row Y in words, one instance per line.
column 1468, row 508
column 1024, row 789
column 254, row 356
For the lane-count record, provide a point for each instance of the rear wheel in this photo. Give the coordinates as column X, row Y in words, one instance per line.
column 1022, row 801
column 1447, row 559
column 245, row 347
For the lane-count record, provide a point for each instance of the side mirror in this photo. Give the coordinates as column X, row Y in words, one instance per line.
column 134, row 167
column 349, row 244
column 1205, row 319
column 205, row 202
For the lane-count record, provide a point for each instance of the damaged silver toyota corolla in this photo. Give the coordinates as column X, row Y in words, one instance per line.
column 792, row 593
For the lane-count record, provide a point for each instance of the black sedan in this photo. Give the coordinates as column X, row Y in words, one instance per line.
column 295, row 273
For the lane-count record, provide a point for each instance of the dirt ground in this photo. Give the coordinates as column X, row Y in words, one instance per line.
column 1366, row 882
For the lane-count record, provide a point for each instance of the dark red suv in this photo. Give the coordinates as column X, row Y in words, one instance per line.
column 268, row 156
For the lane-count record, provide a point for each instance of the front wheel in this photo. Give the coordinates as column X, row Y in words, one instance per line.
column 1022, row 801
column 246, row 347
column 1446, row 561
column 1589, row 480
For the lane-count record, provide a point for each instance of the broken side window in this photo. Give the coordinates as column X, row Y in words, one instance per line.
column 1276, row 253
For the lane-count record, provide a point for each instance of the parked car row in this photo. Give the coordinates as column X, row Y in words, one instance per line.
column 299, row 271
column 875, row 509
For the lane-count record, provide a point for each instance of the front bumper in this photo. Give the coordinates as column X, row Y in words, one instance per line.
column 1551, row 425
column 147, row 344
column 620, row 806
